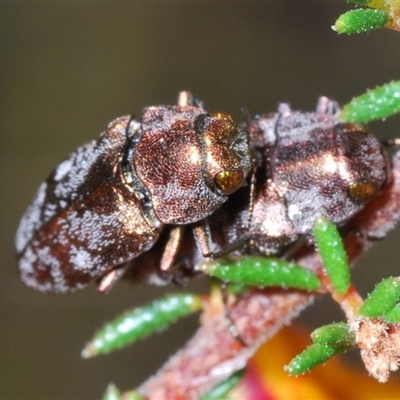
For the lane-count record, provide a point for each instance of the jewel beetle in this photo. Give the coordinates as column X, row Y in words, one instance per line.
column 108, row 201
column 314, row 164
column 311, row 163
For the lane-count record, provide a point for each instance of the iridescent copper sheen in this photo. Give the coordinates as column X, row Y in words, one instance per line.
column 109, row 200
column 311, row 164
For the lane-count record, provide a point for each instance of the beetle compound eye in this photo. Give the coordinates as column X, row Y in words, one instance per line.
column 363, row 191
column 225, row 150
column 223, row 117
column 229, row 181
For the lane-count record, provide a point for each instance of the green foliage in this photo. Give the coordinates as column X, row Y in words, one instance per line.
column 141, row 322
column 382, row 299
column 262, row 272
column 393, row 315
column 333, row 254
column 359, row 2
column 312, row 356
column 111, row 393
column 221, row 391
column 328, row 341
column 379, row 103
column 338, row 333
column 131, row 395
column 359, row 21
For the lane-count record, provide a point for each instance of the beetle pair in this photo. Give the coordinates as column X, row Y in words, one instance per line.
column 310, row 164
column 108, row 202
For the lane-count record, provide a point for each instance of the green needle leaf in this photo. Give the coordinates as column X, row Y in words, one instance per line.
column 221, row 391
column 131, row 395
column 382, row 299
column 329, row 340
column 261, row 272
column 111, row 393
column 333, row 254
column 378, row 103
column 393, row 315
column 312, row 356
column 141, row 322
column 338, row 334
column 359, row 2
column 359, row 21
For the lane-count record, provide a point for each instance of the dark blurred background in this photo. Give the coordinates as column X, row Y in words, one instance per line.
column 67, row 69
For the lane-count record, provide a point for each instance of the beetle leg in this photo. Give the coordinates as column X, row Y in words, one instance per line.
column 231, row 247
column 202, row 233
column 171, row 248
column 202, row 236
column 107, row 282
column 186, row 98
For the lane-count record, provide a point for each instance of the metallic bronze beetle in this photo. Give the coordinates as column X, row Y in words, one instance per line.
column 310, row 163
column 108, row 201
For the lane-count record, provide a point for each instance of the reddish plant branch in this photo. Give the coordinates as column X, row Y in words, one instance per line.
column 213, row 353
